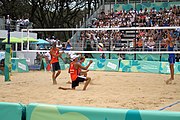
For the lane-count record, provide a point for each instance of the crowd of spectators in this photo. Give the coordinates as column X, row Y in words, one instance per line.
column 17, row 24
column 22, row 23
column 145, row 39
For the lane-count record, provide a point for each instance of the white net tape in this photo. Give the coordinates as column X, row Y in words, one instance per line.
column 97, row 29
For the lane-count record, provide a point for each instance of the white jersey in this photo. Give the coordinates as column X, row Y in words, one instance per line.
column 48, row 55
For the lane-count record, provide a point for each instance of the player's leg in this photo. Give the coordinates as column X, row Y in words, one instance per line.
column 171, row 66
column 53, row 73
column 63, row 88
column 58, row 69
column 88, row 79
column 172, row 71
column 53, row 77
column 85, row 74
column 58, row 73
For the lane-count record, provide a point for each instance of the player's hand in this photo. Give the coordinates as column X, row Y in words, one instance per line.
column 90, row 61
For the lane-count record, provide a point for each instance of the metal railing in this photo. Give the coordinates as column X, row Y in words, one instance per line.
column 158, row 46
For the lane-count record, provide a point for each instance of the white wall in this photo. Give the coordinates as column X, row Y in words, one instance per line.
column 3, row 34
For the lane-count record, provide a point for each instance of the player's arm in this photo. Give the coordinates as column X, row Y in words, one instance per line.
column 60, row 55
column 84, row 68
column 84, row 71
column 171, row 44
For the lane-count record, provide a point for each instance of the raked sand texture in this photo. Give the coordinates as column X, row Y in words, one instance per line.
column 143, row 91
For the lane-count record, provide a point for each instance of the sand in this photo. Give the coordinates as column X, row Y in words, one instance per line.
column 143, row 91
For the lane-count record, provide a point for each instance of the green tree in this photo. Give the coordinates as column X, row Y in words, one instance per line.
column 48, row 13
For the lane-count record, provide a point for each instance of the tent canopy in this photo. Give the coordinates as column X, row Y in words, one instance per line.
column 12, row 40
column 25, row 39
column 18, row 40
column 41, row 41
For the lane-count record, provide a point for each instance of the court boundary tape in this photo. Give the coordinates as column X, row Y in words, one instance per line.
column 168, row 106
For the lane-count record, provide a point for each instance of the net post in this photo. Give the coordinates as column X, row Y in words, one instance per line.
column 7, row 54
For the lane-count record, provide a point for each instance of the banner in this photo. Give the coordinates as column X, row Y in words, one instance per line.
column 103, row 64
column 147, row 66
column 164, row 57
column 164, row 68
column 37, row 111
column 129, row 56
column 148, row 57
column 19, row 65
column 98, row 55
column 11, row 111
column 93, row 66
column 62, row 64
column 139, row 66
column 112, row 65
column 144, row 57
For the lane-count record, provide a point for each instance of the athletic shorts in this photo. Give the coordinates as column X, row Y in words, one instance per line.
column 56, row 66
column 171, row 59
column 77, row 81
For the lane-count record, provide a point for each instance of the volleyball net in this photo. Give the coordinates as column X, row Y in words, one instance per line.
column 113, row 39
column 113, row 43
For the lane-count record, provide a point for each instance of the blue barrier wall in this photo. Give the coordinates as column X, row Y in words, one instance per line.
column 103, row 64
column 147, row 66
column 19, row 65
column 57, row 112
column 11, row 111
column 35, row 111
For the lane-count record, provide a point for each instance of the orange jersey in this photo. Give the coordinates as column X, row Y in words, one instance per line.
column 54, row 59
column 73, row 71
column 79, row 71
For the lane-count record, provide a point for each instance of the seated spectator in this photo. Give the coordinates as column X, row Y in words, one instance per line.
column 2, row 65
column 88, row 48
column 68, row 45
column 47, row 57
column 150, row 44
column 124, row 47
column 63, row 47
column 163, row 44
column 38, row 58
column 140, row 44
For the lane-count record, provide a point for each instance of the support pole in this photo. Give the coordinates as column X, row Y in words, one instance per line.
column 28, row 39
column 135, row 31
column 7, row 68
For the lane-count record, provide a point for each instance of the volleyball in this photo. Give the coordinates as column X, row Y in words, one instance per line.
column 100, row 45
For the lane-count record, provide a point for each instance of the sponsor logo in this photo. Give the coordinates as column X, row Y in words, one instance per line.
column 21, row 66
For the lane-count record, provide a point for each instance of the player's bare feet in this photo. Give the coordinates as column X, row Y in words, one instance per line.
column 62, row 88
column 172, row 82
column 54, row 82
column 169, row 81
column 68, row 82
